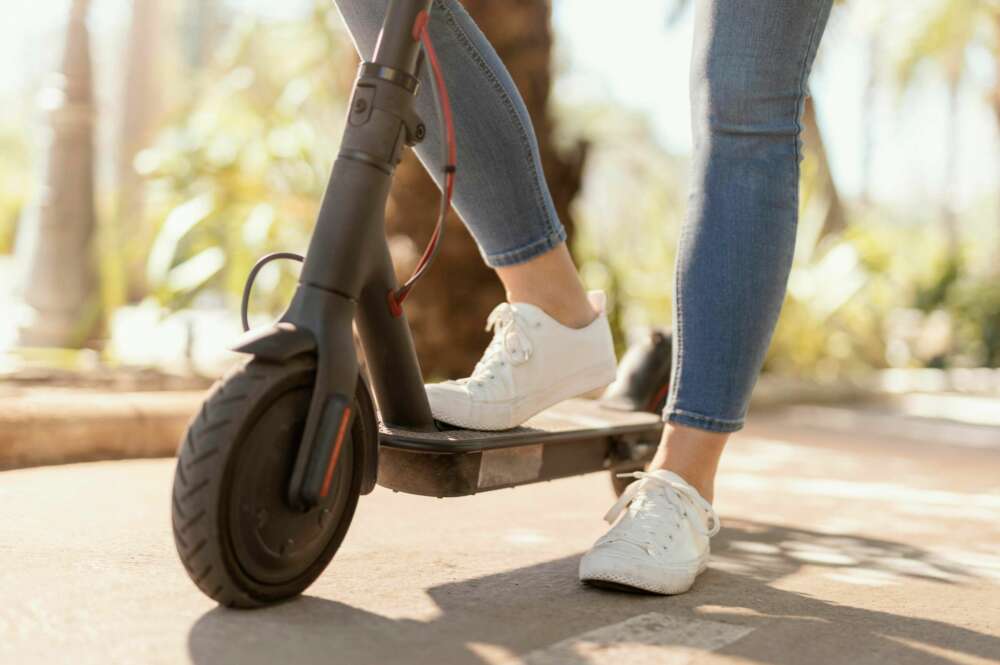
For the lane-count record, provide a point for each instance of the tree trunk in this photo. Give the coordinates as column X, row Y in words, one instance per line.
column 996, row 107
column 203, row 32
column 949, row 218
column 869, row 97
column 834, row 221
column 140, row 110
column 448, row 308
column 57, row 239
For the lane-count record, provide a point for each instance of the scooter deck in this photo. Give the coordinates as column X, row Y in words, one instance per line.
column 574, row 437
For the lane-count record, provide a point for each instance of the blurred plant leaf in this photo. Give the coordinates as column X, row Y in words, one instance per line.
column 241, row 167
column 178, row 223
column 194, row 273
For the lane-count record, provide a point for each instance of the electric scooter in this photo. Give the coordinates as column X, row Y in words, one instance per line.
column 271, row 469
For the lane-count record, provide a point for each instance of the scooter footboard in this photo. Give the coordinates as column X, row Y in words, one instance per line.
column 572, row 438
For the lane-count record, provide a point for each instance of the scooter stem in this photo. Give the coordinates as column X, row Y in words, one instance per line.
column 348, row 273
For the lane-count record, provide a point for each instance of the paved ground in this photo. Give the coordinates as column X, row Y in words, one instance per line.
column 836, row 549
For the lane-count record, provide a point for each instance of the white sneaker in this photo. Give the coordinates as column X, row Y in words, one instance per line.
column 660, row 544
column 532, row 363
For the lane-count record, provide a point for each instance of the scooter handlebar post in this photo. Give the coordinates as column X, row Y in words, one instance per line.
column 396, row 46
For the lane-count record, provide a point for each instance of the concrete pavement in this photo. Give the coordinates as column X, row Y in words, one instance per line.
column 835, row 549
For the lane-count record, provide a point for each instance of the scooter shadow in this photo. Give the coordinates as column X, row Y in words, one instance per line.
column 500, row 618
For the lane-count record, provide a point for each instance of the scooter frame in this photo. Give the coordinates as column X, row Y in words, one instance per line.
column 348, row 276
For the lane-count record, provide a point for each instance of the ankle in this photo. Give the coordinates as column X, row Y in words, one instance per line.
column 692, row 454
column 570, row 312
column 550, row 282
column 704, row 483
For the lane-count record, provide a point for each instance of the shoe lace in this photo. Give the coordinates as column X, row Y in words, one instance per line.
column 510, row 343
column 678, row 499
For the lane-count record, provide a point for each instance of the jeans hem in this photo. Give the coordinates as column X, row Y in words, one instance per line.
column 698, row 421
column 526, row 252
column 509, row 100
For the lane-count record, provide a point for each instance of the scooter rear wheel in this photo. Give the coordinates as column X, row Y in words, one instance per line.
column 238, row 538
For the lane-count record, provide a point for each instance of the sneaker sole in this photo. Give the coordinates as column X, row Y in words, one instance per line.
column 606, row 577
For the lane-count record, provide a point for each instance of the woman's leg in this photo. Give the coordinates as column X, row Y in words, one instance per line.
column 500, row 192
column 748, row 83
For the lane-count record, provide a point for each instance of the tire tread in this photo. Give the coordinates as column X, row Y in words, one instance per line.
column 200, row 467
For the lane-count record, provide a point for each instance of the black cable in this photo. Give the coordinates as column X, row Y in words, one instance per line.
column 261, row 262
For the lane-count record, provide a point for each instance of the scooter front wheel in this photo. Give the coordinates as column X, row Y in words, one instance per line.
column 241, row 542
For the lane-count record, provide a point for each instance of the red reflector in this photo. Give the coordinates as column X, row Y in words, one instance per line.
column 341, row 431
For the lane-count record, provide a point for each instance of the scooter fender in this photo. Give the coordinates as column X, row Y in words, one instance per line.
column 279, row 342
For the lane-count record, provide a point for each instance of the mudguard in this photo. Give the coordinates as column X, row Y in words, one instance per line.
column 279, row 342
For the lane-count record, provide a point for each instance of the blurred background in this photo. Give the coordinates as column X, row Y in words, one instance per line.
column 150, row 152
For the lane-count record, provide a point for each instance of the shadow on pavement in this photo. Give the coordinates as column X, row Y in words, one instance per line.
column 530, row 608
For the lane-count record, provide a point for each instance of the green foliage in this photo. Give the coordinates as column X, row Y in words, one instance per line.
column 976, row 304
column 950, row 28
column 241, row 170
column 14, row 184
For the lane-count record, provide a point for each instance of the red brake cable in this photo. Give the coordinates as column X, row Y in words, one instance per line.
column 447, row 125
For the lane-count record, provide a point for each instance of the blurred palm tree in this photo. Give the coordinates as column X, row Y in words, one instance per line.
column 821, row 200
column 141, row 107
column 943, row 40
column 833, row 217
column 56, row 241
column 203, row 22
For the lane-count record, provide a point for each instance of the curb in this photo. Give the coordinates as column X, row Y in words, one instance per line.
column 40, row 426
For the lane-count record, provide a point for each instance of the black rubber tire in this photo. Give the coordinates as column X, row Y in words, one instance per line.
column 203, row 482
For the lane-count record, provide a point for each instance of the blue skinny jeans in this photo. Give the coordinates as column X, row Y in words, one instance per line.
column 751, row 61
